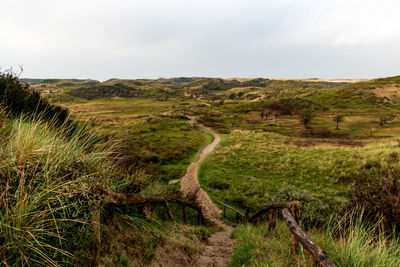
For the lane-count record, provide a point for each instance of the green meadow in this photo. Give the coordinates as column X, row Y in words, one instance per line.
column 251, row 169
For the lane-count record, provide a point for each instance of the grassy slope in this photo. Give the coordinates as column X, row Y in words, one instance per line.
column 252, row 169
column 152, row 132
column 258, row 167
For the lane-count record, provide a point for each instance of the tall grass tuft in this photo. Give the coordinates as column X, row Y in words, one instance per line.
column 355, row 242
column 46, row 172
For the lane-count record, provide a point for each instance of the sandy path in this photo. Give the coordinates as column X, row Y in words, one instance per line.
column 219, row 246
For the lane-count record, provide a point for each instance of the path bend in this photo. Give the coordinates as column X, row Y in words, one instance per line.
column 219, row 246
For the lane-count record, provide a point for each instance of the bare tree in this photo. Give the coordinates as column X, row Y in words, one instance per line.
column 338, row 119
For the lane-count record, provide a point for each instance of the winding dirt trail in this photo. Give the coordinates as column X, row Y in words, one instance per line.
column 219, row 246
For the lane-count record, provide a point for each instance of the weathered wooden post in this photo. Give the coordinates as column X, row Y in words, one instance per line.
column 170, row 215
column 95, row 221
column 184, row 214
column 295, row 210
column 146, row 212
column 224, row 212
column 319, row 256
column 246, row 216
column 198, row 217
column 272, row 219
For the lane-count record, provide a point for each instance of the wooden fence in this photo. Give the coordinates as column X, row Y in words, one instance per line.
column 291, row 215
column 290, row 212
column 106, row 197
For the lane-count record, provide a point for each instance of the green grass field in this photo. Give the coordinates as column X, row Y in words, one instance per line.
column 251, row 169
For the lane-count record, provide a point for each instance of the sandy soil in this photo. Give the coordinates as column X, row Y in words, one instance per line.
column 390, row 90
column 216, row 252
column 219, row 246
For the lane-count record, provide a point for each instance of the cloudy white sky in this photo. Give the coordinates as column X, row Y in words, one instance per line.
column 102, row 39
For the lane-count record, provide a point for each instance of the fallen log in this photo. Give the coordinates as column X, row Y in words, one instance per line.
column 319, row 256
column 110, row 197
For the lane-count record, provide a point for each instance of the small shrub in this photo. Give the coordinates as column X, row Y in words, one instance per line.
column 281, row 108
column 218, row 185
column 380, row 196
column 305, row 117
column 338, row 119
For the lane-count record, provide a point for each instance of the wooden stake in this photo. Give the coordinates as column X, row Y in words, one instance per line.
column 198, row 217
column 246, row 216
column 272, row 219
column 184, row 214
column 295, row 210
column 95, row 221
column 170, row 215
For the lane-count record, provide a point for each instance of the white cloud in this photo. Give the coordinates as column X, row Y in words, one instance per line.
column 152, row 38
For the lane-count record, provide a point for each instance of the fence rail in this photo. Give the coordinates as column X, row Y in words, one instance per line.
column 319, row 256
column 291, row 215
column 107, row 197
column 238, row 212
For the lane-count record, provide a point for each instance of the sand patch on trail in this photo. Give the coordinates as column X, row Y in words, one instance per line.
column 219, row 247
column 190, row 186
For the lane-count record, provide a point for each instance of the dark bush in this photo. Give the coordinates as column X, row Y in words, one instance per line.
column 232, row 96
column 239, row 201
column 252, row 96
column 281, row 108
column 380, row 196
column 218, row 185
column 17, row 97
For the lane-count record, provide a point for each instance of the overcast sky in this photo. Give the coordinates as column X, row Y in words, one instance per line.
column 102, row 39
